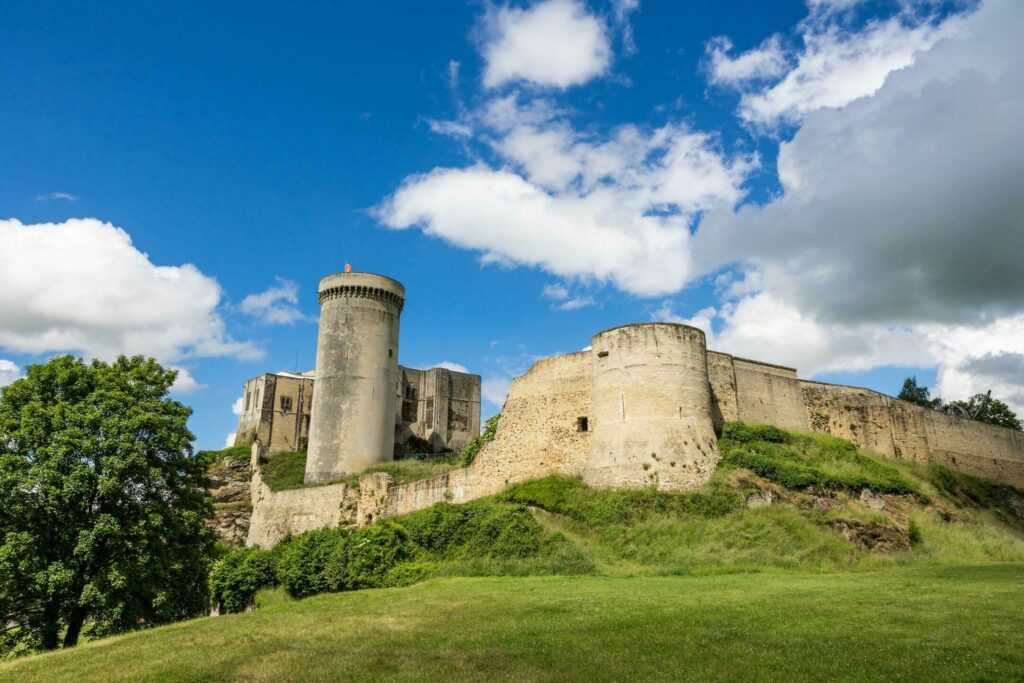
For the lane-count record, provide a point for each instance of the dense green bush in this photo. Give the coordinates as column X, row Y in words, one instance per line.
column 972, row 491
column 307, row 564
column 373, row 552
column 238, row 575
column 742, row 432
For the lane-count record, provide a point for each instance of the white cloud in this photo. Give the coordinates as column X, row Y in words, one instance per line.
column 494, row 389
column 555, row 291
column 897, row 240
column 82, row 286
column 9, row 372
column 185, row 383
column 766, row 61
column 238, row 406
column 56, row 196
column 275, row 305
column 455, row 129
column 617, row 209
column 230, row 440
column 555, row 43
column 455, row 367
column 833, row 68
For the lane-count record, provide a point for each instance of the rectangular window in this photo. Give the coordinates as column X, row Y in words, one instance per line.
column 582, row 424
column 286, row 403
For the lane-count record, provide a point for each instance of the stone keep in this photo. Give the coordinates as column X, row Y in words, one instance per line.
column 352, row 424
column 651, row 408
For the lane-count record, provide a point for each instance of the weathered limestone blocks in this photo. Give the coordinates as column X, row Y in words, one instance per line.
column 652, row 420
column 352, row 423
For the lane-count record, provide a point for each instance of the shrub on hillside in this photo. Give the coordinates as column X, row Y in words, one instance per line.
column 373, row 552
column 742, row 432
column 238, row 575
column 307, row 564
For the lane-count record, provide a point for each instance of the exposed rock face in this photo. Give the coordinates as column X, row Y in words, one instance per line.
column 229, row 486
column 878, row 538
column 872, row 499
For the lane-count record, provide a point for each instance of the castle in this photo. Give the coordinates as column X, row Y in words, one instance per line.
column 640, row 407
column 355, row 426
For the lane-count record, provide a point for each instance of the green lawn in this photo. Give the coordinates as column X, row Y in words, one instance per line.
column 923, row 623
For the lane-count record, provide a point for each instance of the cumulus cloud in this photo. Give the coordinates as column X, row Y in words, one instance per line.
column 275, row 305
column 82, row 286
column 455, row 367
column 230, row 440
column 9, row 372
column 563, row 299
column 834, row 66
column 554, row 43
column 238, row 406
column 613, row 209
column 898, row 236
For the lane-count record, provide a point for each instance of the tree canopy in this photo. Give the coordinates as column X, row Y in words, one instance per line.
column 985, row 409
column 103, row 504
column 912, row 392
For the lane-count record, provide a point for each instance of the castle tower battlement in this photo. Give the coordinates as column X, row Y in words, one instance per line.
column 352, row 424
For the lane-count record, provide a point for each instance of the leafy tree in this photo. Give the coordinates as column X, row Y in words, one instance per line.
column 469, row 453
column 913, row 393
column 991, row 410
column 101, row 520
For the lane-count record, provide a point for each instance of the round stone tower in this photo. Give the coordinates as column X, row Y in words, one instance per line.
column 352, row 422
column 651, row 408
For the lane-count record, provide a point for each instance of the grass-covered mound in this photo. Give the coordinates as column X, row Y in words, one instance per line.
column 780, row 501
column 282, row 471
column 921, row 623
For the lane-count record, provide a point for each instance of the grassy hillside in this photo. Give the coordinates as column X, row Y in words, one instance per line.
column 934, row 623
column 803, row 556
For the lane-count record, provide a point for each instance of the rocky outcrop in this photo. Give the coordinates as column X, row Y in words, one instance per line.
column 228, row 485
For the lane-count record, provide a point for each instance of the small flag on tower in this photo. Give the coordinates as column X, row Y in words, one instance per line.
column 348, row 267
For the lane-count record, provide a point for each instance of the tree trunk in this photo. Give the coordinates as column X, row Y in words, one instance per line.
column 49, row 631
column 75, row 623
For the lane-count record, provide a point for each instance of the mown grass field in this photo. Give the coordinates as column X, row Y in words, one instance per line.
column 926, row 623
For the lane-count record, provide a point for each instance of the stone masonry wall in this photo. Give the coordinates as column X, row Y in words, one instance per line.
column 897, row 429
column 769, row 394
column 722, row 377
column 229, row 481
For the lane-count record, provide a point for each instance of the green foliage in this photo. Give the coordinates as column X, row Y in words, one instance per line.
column 241, row 453
column 313, row 562
column 283, row 471
column 979, row 493
column 103, row 505
column 373, row 552
column 597, row 507
column 798, row 461
column 983, row 408
column 912, row 392
column 237, row 576
column 408, row 471
column 471, row 450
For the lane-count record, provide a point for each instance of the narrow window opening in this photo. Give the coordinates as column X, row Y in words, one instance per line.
column 391, row 353
column 582, row 424
column 602, row 354
column 286, row 403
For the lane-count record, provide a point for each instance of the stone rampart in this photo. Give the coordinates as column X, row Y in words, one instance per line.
column 897, row 429
column 769, row 394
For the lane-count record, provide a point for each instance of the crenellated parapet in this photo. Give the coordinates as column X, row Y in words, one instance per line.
column 377, row 294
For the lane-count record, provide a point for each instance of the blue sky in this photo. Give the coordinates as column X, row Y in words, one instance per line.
column 176, row 179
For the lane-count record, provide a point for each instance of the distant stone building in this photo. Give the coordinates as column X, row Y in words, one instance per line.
column 436, row 410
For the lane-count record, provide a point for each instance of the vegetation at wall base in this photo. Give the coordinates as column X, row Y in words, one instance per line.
column 284, row 471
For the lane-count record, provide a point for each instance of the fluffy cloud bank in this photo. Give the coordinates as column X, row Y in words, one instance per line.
column 899, row 235
column 82, row 286
column 275, row 305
